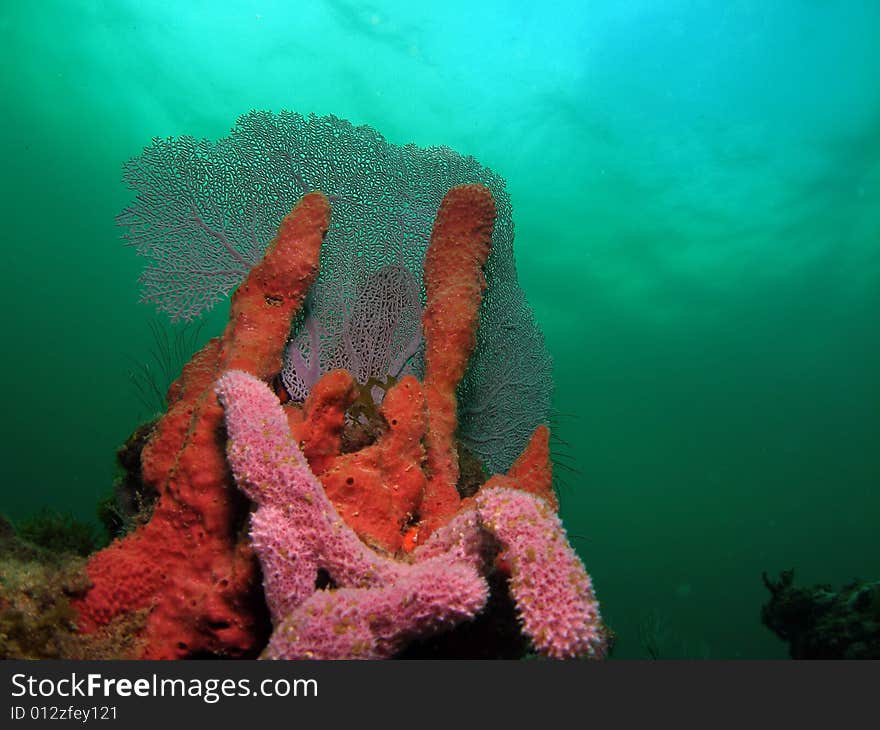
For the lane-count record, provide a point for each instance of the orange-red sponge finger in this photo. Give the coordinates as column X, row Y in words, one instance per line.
column 454, row 284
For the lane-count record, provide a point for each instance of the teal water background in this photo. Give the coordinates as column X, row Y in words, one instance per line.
column 696, row 193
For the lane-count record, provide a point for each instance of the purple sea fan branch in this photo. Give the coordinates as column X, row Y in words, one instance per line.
column 377, row 335
column 204, row 212
column 302, row 367
column 197, row 249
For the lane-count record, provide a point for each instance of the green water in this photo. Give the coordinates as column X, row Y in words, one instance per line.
column 696, row 192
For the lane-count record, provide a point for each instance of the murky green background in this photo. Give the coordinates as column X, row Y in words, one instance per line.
column 696, row 191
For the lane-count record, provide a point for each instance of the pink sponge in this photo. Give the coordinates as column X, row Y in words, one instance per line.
column 374, row 623
column 552, row 590
column 380, row 603
column 374, row 605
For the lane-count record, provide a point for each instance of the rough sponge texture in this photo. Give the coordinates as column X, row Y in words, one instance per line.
column 375, row 623
column 531, row 472
column 454, row 281
column 204, row 212
column 371, row 604
column 189, row 566
column 380, row 603
column 379, row 489
column 552, row 590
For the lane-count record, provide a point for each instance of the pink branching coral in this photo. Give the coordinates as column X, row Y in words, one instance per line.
column 373, row 605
